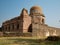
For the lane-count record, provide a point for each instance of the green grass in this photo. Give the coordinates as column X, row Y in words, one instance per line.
column 25, row 41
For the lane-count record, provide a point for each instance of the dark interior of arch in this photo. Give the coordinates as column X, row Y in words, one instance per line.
column 30, row 28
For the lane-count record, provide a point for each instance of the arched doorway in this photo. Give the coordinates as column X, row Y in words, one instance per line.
column 30, row 28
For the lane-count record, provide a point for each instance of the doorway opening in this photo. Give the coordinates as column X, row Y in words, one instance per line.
column 30, row 28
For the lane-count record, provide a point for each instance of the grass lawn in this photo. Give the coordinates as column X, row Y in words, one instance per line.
column 25, row 41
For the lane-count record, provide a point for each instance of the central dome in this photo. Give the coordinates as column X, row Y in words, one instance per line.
column 36, row 9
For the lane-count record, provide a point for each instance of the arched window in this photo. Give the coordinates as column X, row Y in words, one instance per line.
column 6, row 28
column 17, row 26
column 43, row 21
column 13, row 26
column 9, row 27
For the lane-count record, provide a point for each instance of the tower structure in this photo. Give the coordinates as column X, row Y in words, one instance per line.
column 37, row 19
column 26, row 20
column 37, row 15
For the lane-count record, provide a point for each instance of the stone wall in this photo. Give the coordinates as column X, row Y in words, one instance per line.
column 44, row 31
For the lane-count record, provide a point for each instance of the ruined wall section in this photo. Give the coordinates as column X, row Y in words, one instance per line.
column 45, row 31
column 13, row 25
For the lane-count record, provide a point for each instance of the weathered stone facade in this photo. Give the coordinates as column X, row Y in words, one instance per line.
column 33, row 24
column 18, row 24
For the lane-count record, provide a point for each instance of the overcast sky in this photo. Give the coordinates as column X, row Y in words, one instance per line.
column 12, row 8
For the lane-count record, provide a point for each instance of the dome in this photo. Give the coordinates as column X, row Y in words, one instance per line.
column 36, row 8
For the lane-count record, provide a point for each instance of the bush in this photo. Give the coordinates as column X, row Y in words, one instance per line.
column 53, row 38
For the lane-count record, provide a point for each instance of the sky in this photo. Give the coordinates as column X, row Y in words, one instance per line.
column 12, row 8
